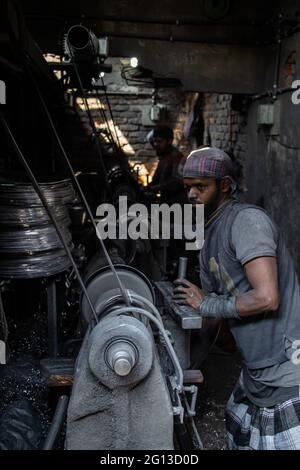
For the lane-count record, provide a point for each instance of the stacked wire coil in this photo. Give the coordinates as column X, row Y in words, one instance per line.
column 29, row 244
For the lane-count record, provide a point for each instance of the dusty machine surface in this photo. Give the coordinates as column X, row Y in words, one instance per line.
column 119, row 384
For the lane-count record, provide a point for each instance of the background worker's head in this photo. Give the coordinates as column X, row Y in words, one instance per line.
column 209, row 178
column 162, row 139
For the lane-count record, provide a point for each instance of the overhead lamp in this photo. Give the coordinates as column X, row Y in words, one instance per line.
column 134, row 62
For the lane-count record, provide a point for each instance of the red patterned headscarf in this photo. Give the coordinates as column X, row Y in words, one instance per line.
column 209, row 162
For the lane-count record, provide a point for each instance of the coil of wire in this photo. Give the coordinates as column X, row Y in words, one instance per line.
column 23, row 194
column 25, row 217
column 31, row 267
column 29, row 244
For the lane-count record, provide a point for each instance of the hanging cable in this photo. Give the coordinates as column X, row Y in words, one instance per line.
column 95, row 55
column 91, row 121
column 77, row 185
column 86, row 105
column 101, row 110
column 50, row 212
column 104, row 118
column 110, row 112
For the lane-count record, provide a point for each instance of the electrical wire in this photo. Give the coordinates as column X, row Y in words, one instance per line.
column 290, row 147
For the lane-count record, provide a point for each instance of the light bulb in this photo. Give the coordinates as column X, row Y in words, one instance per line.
column 134, row 62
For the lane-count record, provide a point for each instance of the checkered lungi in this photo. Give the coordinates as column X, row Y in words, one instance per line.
column 250, row 427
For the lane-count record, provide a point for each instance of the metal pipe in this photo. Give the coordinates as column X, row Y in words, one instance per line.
column 57, row 422
column 268, row 94
column 277, row 66
column 82, row 43
column 159, row 20
column 237, row 42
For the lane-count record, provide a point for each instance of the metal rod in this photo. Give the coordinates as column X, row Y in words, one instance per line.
column 182, row 268
column 52, row 319
column 49, row 210
column 3, row 321
column 57, row 422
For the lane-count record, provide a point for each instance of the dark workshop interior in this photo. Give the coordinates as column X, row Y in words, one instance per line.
column 95, row 353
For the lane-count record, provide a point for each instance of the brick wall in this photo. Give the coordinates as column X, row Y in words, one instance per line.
column 224, row 127
column 127, row 112
column 128, row 109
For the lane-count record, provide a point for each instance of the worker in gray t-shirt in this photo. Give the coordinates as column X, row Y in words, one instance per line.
column 248, row 278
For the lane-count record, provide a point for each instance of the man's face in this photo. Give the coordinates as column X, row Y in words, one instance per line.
column 205, row 191
column 161, row 145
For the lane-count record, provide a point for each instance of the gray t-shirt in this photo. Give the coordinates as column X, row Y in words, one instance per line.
column 241, row 234
column 275, row 384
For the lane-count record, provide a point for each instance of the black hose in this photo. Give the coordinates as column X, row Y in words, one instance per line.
column 182, row 435
column 57, row 422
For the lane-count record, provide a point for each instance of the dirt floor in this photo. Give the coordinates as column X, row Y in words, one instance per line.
column 221, row 372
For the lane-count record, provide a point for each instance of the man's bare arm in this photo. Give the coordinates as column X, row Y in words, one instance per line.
column 262, row 274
